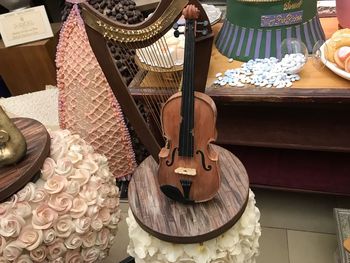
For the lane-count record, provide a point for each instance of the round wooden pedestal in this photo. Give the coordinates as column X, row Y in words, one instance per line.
column 15, row 177
column 179, row 223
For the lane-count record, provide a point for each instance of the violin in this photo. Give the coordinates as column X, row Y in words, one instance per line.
column 188, row 165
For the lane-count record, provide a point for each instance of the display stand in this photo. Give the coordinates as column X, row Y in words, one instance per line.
column 180, row 223
column 15, row 177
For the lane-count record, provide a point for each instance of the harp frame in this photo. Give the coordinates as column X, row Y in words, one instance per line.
column 100, row 29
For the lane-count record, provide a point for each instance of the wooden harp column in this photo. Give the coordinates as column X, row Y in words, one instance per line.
column 101, row 29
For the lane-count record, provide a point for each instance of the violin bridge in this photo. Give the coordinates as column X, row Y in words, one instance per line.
column 186, row 171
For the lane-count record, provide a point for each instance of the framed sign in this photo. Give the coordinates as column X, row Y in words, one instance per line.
column 25, row 26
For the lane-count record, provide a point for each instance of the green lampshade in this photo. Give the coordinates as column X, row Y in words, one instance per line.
column 256, row 29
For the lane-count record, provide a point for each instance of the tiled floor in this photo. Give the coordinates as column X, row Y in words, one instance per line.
column 296, row 228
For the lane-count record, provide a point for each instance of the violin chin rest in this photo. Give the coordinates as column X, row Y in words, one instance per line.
column 175, row 194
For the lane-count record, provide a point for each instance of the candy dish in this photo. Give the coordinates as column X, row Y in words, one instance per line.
column 332, row 66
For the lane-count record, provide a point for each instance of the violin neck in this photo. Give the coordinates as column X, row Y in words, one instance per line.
column 186, row 144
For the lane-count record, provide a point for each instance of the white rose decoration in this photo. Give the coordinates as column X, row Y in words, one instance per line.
column 89, row 165
column 96, row 224
column 3, row 209
column 79, row 207
column 48, row 169
column 73, row 188
column 58, row 150
column 115, row 218
column 43, row 217
column 22, row 209
column 63, row 226
column 82, row 176
column 49, row 236
column 39, row 254
column 56, row 249
column 27, row 193
column 61, row 202
column 40, row 196
column 55, row 184
column 90, row 254
column 11, row 225
column 12, row 251
column 30, row 238
column 74, row 241
column 75, row 157
column 82, row 225
column 64, row 167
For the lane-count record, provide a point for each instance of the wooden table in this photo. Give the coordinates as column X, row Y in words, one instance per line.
column 282, row 133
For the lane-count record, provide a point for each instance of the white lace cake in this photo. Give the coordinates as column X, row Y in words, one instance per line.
column 240, row 244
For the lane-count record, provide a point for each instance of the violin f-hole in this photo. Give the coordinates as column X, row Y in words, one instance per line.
column 203, row 160
column 170, row 163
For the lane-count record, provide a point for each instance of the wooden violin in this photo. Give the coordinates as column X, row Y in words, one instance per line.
column 188, row 166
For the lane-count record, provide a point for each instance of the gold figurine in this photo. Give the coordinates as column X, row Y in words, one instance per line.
column 13, row 145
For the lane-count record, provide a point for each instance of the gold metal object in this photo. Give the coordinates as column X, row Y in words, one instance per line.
column 13, row 145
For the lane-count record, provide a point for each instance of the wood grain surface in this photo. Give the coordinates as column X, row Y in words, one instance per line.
column 13, row 178
column 179, row 223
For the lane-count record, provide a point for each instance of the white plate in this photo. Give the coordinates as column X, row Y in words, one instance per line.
column 332, row 66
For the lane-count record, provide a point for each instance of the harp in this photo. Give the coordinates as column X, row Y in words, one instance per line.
column 149, row 76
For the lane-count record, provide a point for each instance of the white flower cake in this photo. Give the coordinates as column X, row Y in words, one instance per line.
column 69, row 215
column 240, row 244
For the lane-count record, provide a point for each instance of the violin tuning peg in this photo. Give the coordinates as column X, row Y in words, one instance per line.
column 204, row 23
column 204, row 32
column 177, row 25
column 177, row 33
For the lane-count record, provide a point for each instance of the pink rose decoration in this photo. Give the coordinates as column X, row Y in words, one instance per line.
column 90, row 254
column 12, row 251
column 2, row 244
column 74, row 241
column 27, row 193
column 79, row 207
column 82, row 176
column 73, row 256
column 55, row 184
column 3, row 209
column 48, row 169
column 64, row 167
column 43, row 217
column 61, row 202
column 68, row 215
column 103, row 238
column 63, row 226
column 49, row 236
column 89, row 239
column 56, row 249
column 82, row 225
column 38, row 254
column 24, row 259
column 105, row 216
column 11, row 225
column 30, row 238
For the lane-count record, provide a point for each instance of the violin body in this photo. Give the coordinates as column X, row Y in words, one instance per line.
column 189, row 178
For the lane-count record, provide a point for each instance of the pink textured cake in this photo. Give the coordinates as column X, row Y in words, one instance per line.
column 86, row 102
